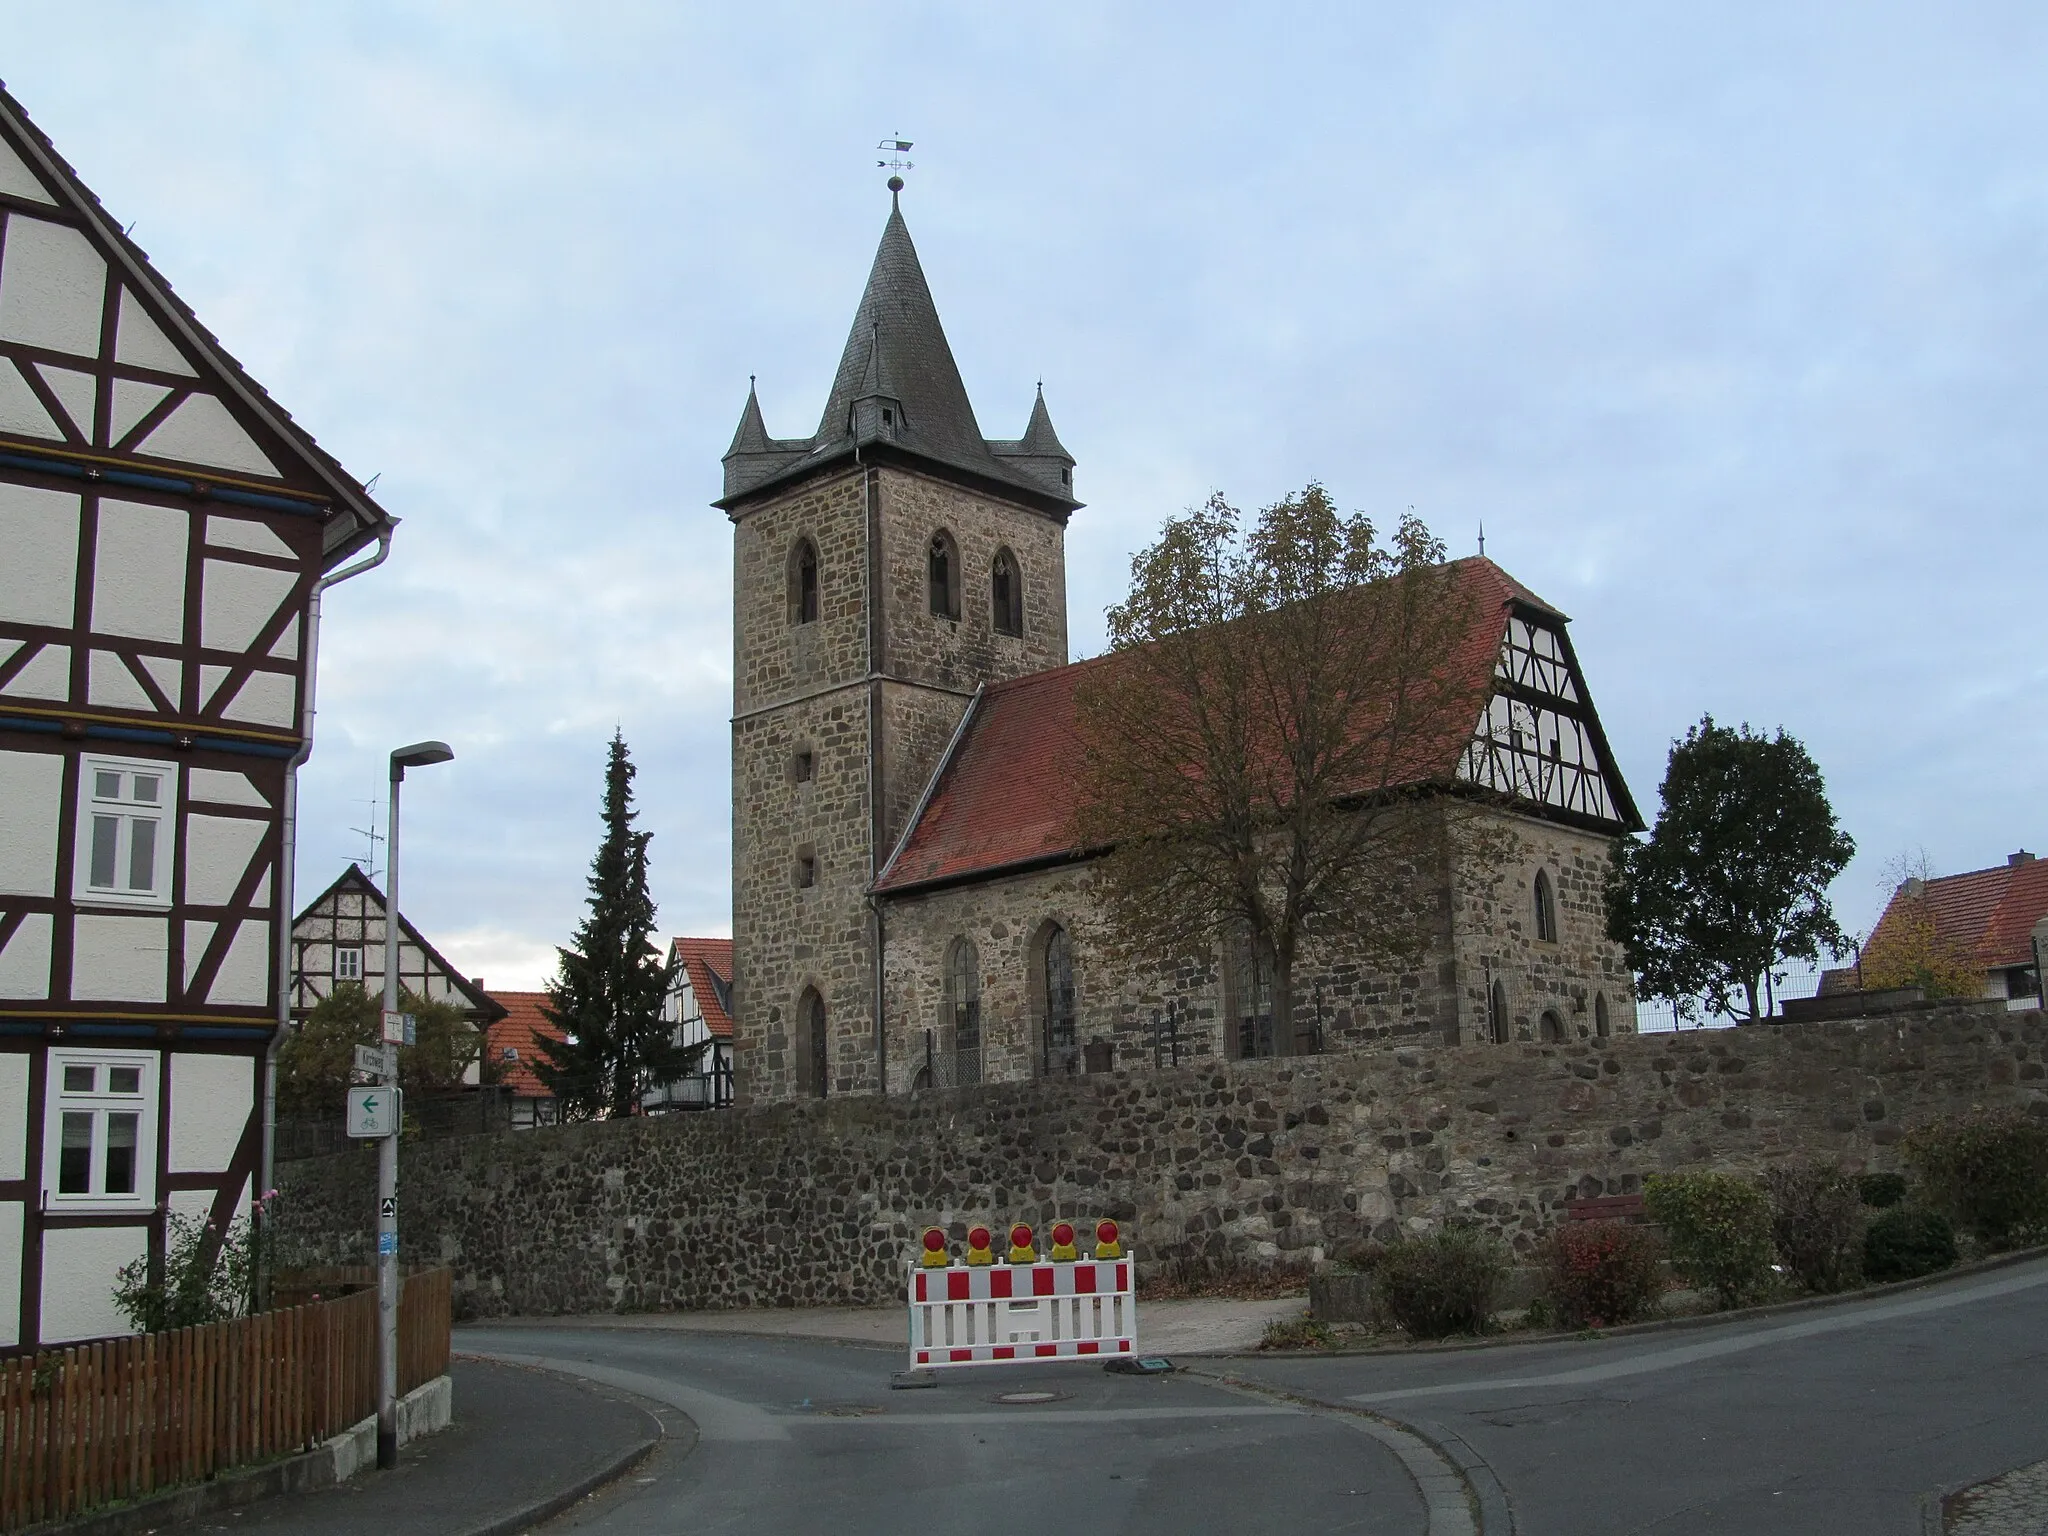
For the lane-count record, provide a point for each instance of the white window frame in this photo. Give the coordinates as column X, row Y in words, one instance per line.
column 341, row 972
column 100, row 1103
column 127, row 813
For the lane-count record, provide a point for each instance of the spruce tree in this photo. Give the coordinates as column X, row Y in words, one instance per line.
column 607, row 993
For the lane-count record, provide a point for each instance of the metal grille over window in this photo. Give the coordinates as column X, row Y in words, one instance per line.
column 1251, row 979
column 1061, row 1054
column 963, row 1014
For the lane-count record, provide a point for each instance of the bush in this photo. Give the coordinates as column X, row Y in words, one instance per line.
column 206, row 1276
column 1599, row 1273
column 1987, row 1171
column 1297, row 1333
column 1882, row 1190
column 1442, row 1284
column 1817, row 1223
column 1905, row 1242
column 1719, row 1230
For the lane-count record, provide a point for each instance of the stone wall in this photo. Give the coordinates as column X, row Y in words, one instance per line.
column 821, row 1202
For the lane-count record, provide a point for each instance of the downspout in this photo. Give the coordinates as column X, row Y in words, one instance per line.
column 288, row 849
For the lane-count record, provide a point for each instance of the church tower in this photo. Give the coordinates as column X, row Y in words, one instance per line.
column 884, row 568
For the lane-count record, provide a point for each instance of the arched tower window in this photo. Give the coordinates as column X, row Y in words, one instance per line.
column 962, row 1016
column 942, row 566
column 1006, row 594
column 1600, row 1025
column 1497, row 1013
column 1546, row 909
column 803, row 583
column 1056, row 1018
column 813, row 1053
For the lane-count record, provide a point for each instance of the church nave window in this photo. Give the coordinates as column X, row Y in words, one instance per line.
column 1006, row 595
column 942, row 569
column 1546, row 910
column 1054, row 986
column 803, row 583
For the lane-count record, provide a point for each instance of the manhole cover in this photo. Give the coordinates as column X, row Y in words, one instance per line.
column 1014, row 1398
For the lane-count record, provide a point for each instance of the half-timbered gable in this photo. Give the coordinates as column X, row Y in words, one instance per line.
column 339, row 938
column 164, row 530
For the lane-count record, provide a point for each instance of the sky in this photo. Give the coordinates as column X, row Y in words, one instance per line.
column 1729, row 323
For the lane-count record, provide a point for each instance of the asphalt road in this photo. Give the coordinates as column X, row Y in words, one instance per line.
column 1838, row 1420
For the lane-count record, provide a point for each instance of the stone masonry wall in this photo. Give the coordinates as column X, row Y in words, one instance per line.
column 820, row 1202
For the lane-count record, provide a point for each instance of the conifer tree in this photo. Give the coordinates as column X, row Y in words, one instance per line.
column 607, row 993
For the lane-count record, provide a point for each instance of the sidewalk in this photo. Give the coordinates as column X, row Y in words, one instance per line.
column 524, row 1444
column 1198, row 1327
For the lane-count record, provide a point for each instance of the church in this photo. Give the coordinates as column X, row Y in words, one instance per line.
column 910, row 908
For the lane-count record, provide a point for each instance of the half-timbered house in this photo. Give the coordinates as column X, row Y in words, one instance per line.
column 165, row 533
column 699, row 1004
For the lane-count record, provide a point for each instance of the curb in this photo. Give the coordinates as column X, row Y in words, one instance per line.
column 1654, row 1325
column 542, row 1509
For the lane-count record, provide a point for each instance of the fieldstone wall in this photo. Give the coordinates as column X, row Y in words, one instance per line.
column 821, row 1202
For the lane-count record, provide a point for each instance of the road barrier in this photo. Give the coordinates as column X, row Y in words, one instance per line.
column 986, row 1313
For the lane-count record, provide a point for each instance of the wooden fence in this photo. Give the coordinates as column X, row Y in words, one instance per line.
column 119, row 1418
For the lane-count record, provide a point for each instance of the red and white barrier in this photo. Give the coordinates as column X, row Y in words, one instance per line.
column 993, row 1313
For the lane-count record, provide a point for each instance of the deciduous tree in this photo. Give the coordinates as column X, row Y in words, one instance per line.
column 1732, row 880
column 1251, row 750
column 1909, row 949
column 608, row 989
column 314, row 1063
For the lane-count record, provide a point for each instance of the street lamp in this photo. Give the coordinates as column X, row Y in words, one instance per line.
column 420, row 754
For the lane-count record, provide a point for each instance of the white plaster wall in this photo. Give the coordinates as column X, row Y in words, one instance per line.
column 39, row 531
column 138, row 584
column 244, row 976
column 139, row 342
column 110, row 685
column 21, row 412
column 79, row 1265
column 78, row 393
column 202, row 431
column 267, row 698
column 11, row 1216
column 218, row 786
column 217, row 852
column 211, row 1097
column 31, row 807
column 237, row 600
column 52, row 287
column 198, row 934
column 13, row 1120
column 17, row 178
column 133, row 400
column 47, row 677
column 25, row 963
column 246, row 533
column 119, row 959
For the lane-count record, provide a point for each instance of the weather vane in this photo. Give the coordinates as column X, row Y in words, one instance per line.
column 896, row 164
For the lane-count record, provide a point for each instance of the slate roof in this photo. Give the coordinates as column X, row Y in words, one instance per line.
column 1003, row 797
column 708, row 963
column 355, row 519
column 1989, row 912
column 520, row 1031
column 897, row 354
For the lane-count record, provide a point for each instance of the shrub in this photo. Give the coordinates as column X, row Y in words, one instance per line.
column 1987, row 1171
column 1817, row 1223
column 1719, row 1230
column 205, row 1278
column 1599, row 1273
column 1905, row 1242
column 1882, row 1190
column 1297, row 1333
column 1441, row 1284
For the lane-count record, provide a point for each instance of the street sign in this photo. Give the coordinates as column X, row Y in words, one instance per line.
column 397, row 1028
column 387, row 1242
column 387, row 1208
column 374, row 1112
column 370, row 1060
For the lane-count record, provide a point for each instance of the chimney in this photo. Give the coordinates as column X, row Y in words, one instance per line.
column 477, row 982
column 2017, row 859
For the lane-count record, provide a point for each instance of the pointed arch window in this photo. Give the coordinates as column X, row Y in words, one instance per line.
column 1497, row 1013
column 942, row 570
column 1551, row 1027
column 803, row 583
column 1600, row 1024
column 1249, row 983
column 1006, row 594
column 962, row 1010
column 1546, row 909
column 813, row 1046
column 1056, row 1024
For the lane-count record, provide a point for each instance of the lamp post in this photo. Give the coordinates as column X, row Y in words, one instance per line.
column 419, row 755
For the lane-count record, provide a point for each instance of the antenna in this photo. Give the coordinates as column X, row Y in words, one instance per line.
column 373, row 836
column 896, row 164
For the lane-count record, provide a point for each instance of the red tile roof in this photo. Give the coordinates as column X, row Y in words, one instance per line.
column 523, row 1026
column 708, row 963
column 1989, row 912
column 1005, row 796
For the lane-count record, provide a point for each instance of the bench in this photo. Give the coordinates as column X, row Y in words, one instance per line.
column 1606, row 1208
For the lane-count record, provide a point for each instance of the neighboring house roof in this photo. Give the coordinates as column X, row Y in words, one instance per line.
column 1991, row 913
column 708, row 963
column 521, row 1028
column 480, row 1002
column 1003, row 797
column 351, row 519
column 897, row 354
